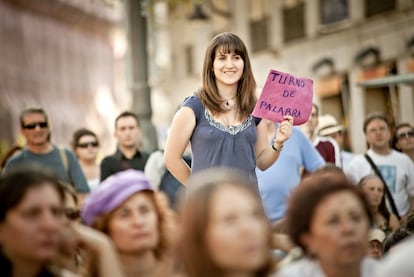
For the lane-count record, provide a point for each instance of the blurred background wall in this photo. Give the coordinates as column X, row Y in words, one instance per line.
column 65, row 56
column 343, row 45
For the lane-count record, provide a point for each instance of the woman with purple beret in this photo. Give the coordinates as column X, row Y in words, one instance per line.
column 137, row 219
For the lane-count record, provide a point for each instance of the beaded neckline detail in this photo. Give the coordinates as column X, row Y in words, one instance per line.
column 232, row 130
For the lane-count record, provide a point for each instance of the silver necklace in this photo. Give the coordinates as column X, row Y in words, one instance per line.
column 229, row 103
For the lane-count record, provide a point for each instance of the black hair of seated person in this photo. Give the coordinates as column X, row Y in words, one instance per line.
column 394, row 238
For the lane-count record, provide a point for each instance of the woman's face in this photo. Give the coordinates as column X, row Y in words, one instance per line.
column 87, row 148
column 405, row 138
column 374, row 190
column 228, row 68
column 31, row 229
column 237, row 234
column 339, row 230
column 133, row 226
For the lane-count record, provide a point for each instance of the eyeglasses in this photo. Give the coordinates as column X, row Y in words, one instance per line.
column 72, row 214
column 32, row 126
column 87, row 144
column 409, row 134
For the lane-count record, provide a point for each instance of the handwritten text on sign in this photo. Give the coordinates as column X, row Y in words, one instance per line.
column 284, row 94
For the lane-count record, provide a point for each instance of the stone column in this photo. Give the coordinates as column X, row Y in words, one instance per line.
column 356, row 10
column 403, row 5
column 241, row 20
column 357, row 112
column 275, row 31
column 406, row 96
column 311, row 18
column 138, row 72
column 202, row 35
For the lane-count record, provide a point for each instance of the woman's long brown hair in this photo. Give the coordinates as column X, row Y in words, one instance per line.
column 246, row 89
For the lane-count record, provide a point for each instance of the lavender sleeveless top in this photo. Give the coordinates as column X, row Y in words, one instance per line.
column 215, row 145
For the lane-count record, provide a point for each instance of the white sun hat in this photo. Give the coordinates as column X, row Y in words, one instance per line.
column 328, row 125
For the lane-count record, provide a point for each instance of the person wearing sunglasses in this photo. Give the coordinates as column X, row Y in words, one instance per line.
column 35, row 127
column 85, row 144
column 395, row 168
column 404, row 139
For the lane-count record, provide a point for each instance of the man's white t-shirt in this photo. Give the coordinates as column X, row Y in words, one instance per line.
column 396, row 168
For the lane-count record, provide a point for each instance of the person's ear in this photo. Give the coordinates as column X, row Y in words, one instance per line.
column 307, row 241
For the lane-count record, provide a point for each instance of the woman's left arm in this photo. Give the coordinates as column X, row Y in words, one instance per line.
column 267, row 155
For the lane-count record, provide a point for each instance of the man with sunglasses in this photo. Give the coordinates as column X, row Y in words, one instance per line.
column 39, row 149
column 404, row 139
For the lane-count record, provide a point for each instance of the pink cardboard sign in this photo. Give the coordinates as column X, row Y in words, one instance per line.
column 284, row 94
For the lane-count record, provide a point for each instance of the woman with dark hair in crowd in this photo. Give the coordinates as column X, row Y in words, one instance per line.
column 329, row 218
column 373, row 188
column 223, row 228
column 30, row 221
column 137, row 219
column 32, row 227
column 85, row 144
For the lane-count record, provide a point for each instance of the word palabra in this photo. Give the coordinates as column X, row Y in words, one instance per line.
column 281, row 110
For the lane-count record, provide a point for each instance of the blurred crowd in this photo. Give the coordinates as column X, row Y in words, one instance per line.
column 230, row 195
column 62, row 213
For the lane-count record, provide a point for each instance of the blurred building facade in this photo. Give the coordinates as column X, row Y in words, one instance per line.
column 66, row 56
column 337, row 43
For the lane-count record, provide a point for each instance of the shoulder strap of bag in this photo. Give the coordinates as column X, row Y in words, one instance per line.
column 387, row 191
column 65, row 162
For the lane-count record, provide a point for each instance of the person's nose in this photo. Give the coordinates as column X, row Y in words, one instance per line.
column 348, row 226
column 49, row 222
column 137, row 219
column 249, row 227
column 229, row 62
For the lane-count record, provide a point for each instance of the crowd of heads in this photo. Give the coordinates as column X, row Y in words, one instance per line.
column 125, row 226
column 220, row 226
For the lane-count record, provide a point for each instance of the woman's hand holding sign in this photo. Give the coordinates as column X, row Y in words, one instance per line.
column 283, row 132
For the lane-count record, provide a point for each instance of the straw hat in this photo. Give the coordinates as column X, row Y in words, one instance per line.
column 328, row 125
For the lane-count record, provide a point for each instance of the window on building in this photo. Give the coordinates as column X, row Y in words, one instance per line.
column 259, row 37
column 333, row 11
column 374, row 7
column 294, row 21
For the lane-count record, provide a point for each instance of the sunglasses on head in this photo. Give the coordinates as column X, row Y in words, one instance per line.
column 86, row 144
column 32, row 126
column 408, row 134
column 72, row 214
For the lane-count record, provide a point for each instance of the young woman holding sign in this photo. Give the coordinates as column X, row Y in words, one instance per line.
column 217, row 120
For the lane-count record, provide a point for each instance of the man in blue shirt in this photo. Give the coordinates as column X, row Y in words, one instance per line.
column 35, row 127
column 276, row 182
